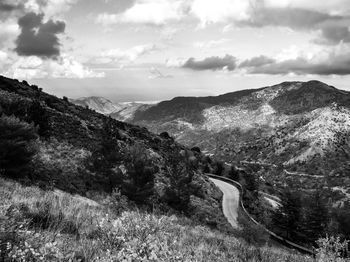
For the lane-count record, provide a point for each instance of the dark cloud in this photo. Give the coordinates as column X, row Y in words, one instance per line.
column 212, row 63
column 10, row 9
column 38, row 38
column 335, row 65
column 334, row 34
column 8, row 6
column 294, row 18
column 257, row 61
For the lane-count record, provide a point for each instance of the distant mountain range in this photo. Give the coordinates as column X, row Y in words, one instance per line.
column 121, row 111
column 302, row 129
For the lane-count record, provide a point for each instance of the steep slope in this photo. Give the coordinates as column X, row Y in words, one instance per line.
column 82, row 151
column 299, row 126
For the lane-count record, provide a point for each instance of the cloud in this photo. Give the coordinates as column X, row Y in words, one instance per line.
column 51, row 8
column 257, row 61
column 333, row 61
column 211, row 43
column 36, row 67
column 126, row 56
column 294, row 18
column 339, row 7
column 155, row 74
column 175, row 62
column 38, row 38
column 153, row 12
column 334, row 34
column 9, row 6
column 227, row 62
column 209, row 11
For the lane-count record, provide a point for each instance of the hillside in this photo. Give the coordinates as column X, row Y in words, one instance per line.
column 120, row 111
column 297, row 126
column 57, row 226
column 81, row 151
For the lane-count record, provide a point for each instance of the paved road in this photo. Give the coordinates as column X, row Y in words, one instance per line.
column 230, row 202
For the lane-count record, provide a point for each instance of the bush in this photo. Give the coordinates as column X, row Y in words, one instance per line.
column 16, row 151
column 331, row 249
column 138, row 185
column 252, row 233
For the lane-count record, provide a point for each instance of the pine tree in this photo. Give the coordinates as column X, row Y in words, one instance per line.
column 288, row 216
column 15, row 150
column 107, row 156
column 180, row 173
column 317, row 217
column 234, row 173
column 39, row 116
column 139, row 184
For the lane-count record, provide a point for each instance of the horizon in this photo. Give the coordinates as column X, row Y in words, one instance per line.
column 154, row 50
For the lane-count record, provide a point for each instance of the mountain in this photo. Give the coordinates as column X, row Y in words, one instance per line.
column 81, row 151
column 298, row 127
column 120, row 111
column 77, row 185
column 99, row 104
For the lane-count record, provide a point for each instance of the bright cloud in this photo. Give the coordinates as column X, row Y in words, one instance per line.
column 156, row 12
column 35, row 67
column 129, row 55
column 208, row 11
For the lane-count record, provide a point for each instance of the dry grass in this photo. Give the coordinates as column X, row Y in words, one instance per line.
column 38, row 225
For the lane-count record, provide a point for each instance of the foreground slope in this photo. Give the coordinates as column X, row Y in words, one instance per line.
column 82, row 151
column 55, row 226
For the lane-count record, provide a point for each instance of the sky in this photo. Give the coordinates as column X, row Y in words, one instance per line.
column 151, row 50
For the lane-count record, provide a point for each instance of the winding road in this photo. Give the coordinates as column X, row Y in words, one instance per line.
column 230, row 201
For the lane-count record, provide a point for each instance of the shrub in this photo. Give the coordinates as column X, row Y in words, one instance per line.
column 331, row 249
column 16, row 151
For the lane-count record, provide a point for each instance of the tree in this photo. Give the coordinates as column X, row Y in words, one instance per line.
column 106, row 157
column 219, row 168
column 317, row 217
column 40, row 117
column 180, row 174
column 139, row 183
column 234, row 173
column 15, row 150
column 288, row 216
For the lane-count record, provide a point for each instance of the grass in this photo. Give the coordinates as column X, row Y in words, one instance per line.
column 37, row 225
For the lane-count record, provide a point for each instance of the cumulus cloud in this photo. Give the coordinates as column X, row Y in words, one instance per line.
column 9, row 6
column 38, row 38
column 154, row 12
column 117, row 55
column 209, row 12
column 36, row 67
column 294, row 14
column 334, row 34
column 227, row 62
column 50, row 8
column 340, row 7
column 257, row 61
column 333, row 61
column 294, row 18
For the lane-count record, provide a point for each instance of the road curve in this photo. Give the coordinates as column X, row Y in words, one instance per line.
column 230, row 201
